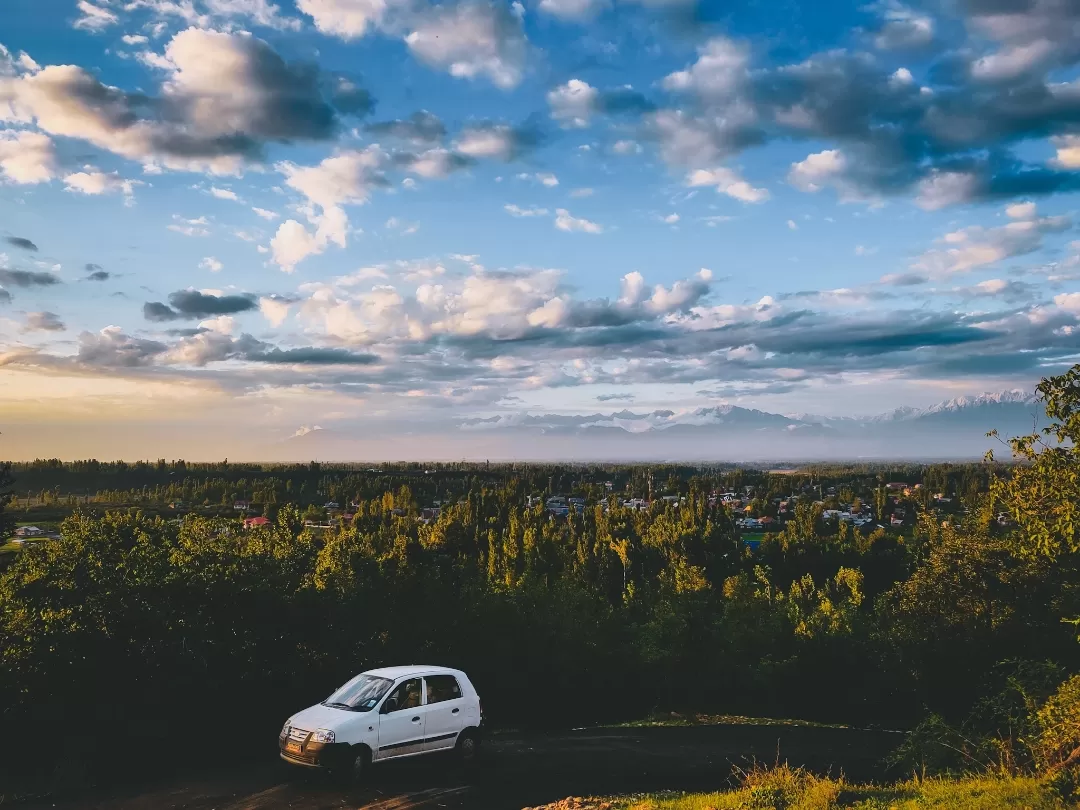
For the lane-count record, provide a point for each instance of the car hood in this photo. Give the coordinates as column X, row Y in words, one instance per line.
column 319, row 716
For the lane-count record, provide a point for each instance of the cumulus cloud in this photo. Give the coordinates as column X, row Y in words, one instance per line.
column 43, row 322
column 93, row 17
column 223, row 96
column 25, row 157
column 517, row 211
column 212, row 264
column 344, row 179
column 224, row 194
column 495, row 141
column 348, row 19
column 719, row 72
column 93, row 182
column 574, row 103
column 970, row 248
column 573, row 10
column 903, row 28
column 565, row 221
column 728, row 182
column 471, row 40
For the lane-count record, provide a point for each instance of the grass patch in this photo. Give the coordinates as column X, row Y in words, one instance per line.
column 8, row 548
column 786, row 788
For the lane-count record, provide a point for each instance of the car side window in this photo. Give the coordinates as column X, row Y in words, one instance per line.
column 405, row 696
column 442, row 687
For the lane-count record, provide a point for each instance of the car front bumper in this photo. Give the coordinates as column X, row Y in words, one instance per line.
column 311, row 754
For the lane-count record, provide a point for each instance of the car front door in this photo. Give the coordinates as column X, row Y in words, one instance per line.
column 445, row 710
column 401, row 720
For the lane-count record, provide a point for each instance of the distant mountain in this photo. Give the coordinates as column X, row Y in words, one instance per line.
column 955, row 428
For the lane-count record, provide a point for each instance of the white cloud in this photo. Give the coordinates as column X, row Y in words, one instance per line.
column 904, row 28
column 222, row 325
column 471, row 40
column 719, row 72
column 548, row 179
column 275, row 310
column 190, row 227
column 944, row 188
column 134, row 39
column 435, row 163
column 626, row 147
column 348, row 19
column 974, row 247
column 573, row 104
column 94, row 18
column 345, row 178
column 516, row 211
column 224, row 194
column 581, row 192
column 1068, row 301
column 575, row 10
column 670, row 219
column 726, row 181
column 1024, row 210
column 293, row 243
column 1068, row 151
column 829, row 168
column 26, row 157
column 212, row 264
column 267, row 215
column 94, row 182
column 791, row 225
column 491, row 142
column 564, row 221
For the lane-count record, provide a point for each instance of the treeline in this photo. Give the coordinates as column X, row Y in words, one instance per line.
column 161, row 483
column 190, row 639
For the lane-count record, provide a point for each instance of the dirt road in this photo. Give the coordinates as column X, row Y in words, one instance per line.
column 518, row 771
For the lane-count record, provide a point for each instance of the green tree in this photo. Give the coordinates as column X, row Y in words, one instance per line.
column 1042, row 496
column 7, row 492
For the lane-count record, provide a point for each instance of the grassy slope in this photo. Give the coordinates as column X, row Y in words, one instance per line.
column 786, row 788
column 965, row 794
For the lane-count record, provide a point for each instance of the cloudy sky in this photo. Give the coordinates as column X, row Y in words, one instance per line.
column 225, row 221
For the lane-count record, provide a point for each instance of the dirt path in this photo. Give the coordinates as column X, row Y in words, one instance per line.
column 519, row 771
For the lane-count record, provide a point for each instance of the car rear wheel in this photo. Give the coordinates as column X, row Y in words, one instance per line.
column 468, row 746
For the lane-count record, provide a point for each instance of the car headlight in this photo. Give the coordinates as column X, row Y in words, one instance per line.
column 286, row 728
column 324, row 735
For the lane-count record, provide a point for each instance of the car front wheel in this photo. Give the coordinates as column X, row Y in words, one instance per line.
column 355, row 769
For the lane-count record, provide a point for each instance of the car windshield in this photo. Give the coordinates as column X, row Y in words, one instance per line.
column 360, row 694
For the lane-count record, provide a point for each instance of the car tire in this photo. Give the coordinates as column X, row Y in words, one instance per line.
column 468, row 747
column 354, row 771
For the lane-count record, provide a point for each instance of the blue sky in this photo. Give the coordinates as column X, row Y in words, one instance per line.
column 225, row 220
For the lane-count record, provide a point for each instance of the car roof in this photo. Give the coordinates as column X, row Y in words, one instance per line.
column 393, row 673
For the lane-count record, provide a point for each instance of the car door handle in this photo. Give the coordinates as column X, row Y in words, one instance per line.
column 416, row 719
column 455, row 711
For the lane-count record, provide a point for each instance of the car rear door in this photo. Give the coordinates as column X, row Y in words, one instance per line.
column 445, row 711
column 402, row 721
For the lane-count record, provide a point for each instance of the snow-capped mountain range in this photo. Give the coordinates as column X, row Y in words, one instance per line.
column 953, row 429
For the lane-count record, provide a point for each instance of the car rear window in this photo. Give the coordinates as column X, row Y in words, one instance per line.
column 442, row 687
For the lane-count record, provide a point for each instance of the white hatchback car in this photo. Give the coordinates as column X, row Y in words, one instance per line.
column 386, row 714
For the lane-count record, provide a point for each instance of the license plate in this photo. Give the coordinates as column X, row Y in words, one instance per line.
column 292, row 747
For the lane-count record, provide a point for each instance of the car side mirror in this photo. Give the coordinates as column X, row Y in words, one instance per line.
column 390, row 705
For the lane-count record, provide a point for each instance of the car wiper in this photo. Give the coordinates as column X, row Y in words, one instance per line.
column 339, row 706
